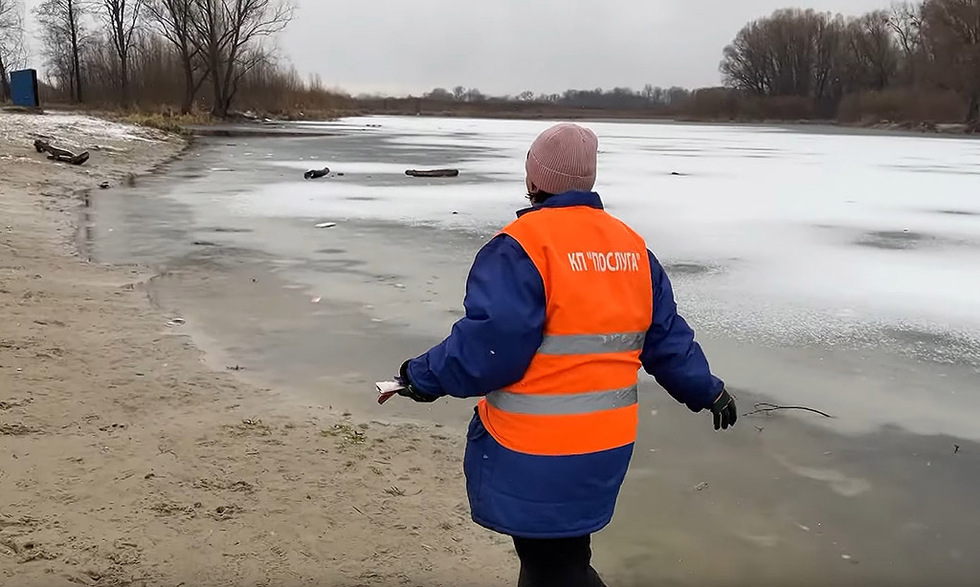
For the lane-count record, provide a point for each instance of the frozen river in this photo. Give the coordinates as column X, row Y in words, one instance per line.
column 832, row 269
column 849, row 242
column 797, row 234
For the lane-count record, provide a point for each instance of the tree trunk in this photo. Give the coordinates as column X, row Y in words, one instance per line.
column 227, row 105
column 4, row 81
column 189, row 87
column 219, row 108
column 228, row 92
column 124, row 79
column 77, row 66
column 216, row 106
column 227, row 84
column 215, row 64
column 76, row 61
column 973, row 114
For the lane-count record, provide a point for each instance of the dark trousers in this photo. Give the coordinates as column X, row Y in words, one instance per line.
column 557, row 562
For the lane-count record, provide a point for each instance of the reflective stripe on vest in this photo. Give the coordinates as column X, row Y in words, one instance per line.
column 578, row 395
column 591, row 344
column 563, row 404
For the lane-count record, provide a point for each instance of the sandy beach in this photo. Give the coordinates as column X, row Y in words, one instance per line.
column 127, row 461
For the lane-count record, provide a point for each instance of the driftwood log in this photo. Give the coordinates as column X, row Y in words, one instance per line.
column 432, row 172
column 58, row 154
column 316, row 173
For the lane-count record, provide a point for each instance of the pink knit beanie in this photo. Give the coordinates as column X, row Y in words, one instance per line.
column 562, row 159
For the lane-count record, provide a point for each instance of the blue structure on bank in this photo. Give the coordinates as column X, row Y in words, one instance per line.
column 23, row 88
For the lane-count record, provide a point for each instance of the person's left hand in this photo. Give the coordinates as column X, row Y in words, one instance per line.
column 409, row 390
column 724, row 411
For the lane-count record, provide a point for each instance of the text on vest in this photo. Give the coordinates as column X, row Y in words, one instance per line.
column 604, row 261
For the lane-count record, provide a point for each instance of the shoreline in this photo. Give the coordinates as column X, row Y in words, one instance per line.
column 263, row 130
column 887, row 128
column 130, row 462
column 241, row 126
column 245, row 125
column 81, row 215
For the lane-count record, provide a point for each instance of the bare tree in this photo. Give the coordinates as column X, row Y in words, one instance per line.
column 829, row 61
column 650, row 93
column 819, row 56
column 931, row 50
column 676, row 96
column 175, row 21
column 747, row 64
column 11, row 42
column 231, row 36
column 474, row 95
column 873, row 50
column 63, row 34
column 781, row 55
column 791, row 35
column 439, row 94
column 121, row 18
column 905, row 21
column 951, row 28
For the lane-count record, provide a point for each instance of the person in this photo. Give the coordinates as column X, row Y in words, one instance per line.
column 563, row 308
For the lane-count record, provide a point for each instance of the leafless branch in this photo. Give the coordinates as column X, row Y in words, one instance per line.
column 63, row 35
column 766, row 408
column 121, row 18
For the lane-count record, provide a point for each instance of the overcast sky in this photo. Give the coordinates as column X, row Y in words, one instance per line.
column 507, row 46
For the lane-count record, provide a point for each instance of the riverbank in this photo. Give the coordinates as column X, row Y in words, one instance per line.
column 253, row 124
column 127, row 461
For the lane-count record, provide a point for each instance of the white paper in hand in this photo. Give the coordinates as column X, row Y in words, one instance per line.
column 387, row 390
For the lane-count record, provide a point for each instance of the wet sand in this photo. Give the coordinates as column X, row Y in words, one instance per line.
column 884, row 493
column 126, row 461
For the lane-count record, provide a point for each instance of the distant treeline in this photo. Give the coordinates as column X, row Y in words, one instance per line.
column 614, row 99
column 912, row 62
column 651, row 101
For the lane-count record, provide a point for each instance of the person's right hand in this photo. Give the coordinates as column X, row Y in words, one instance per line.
column 724, row 410
column 408, row 390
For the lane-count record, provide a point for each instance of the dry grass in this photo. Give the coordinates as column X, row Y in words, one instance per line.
column 723, row 104
column 902, row 105
column 168, row 122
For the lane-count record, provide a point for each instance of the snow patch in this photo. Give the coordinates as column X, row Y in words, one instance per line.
column 71, row 130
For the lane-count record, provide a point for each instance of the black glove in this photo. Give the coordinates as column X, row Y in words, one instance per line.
column 724, row 411
column 409, row 390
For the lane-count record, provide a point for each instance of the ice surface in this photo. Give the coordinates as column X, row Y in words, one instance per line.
column 769, row 234
column 844, row 225
column 820, row 268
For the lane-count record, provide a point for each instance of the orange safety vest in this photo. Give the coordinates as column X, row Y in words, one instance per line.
column 579, row 394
